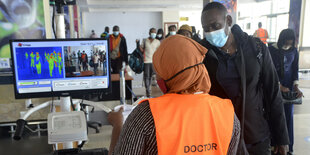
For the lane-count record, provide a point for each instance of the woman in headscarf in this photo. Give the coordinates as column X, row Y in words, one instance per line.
column 286, row 58
column 186, row 119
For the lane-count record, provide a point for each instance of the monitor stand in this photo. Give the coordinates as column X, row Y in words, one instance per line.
column 65, row 106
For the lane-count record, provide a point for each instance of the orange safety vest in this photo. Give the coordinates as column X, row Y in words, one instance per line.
column 192, row 124
column 262, row 34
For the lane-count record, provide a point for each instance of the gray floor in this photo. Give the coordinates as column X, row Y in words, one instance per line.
column 302, row 119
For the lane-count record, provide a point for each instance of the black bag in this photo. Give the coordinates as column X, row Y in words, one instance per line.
column 91, row 63
column 291, row 98
column 136, row 62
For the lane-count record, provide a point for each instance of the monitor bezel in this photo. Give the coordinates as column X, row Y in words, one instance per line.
column 82, row 92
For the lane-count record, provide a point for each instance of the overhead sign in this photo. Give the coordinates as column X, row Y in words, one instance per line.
column 183, row 18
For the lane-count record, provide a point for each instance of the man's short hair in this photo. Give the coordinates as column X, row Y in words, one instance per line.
column 172, row 26
column 106, row 28
column 115, row 27
column 260, row 24
column 152, row 29
column 215, row 5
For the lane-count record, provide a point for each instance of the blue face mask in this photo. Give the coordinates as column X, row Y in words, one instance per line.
column 217, row 38
column 153, row 35
column 173, row 33
column 116, row 33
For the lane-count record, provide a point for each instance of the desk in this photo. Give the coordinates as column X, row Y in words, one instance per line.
column 82, row 74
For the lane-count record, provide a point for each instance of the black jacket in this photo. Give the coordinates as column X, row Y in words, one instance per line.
column 259, row 90
column 122, row 48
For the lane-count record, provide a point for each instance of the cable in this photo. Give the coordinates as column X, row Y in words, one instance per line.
column 81, row 145
column 52, row 107
column 72, row 106
column 53, row 21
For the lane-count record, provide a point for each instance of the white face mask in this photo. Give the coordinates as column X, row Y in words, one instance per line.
column 159, row 35
column 153, row 35
column 286, row 47
column 217, row 38
column 173, row 33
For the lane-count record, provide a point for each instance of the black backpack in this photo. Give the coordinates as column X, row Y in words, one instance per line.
column 136, row 62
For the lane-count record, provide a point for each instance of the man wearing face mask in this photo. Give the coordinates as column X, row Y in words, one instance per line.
column 241, row 69
column 285, row 58
column 149, row 46
column 118, row 50
column 172, row 30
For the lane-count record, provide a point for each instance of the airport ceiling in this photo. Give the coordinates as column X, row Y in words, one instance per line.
column 143, row 5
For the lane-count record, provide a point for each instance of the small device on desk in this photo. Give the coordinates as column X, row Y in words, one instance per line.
column 66, row 127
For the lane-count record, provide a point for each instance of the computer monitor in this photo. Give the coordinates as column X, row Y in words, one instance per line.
column 60, row 67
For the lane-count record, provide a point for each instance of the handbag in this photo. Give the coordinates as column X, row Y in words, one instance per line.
column 291, row 98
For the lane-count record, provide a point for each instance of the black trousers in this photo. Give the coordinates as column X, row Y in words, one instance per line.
column 261, row 148
column 116, row 65
column 147, row 76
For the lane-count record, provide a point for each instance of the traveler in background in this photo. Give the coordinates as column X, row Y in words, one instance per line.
column 172, row 30
column 186, row 119
column 196, row 36
column 160, row 35
column 261, row 33
column 148, row 47
column 241, row 69
column 118, row 49
column 105, row 34
column 185, row 30
column 96, row 62
column 79, row 54
column 84, row 59
column 93, row 34
column 285, row 58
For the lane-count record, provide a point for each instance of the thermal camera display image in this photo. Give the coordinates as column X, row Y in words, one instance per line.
column 39, row 63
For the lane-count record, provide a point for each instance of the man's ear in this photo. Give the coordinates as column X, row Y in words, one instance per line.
column 229, row 20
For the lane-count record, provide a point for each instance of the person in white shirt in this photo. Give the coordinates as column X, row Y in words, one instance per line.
column 96, row 62
column 149, row 47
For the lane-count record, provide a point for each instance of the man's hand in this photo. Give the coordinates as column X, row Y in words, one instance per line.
column 284, row 89
column 299, row 93
column 281, row 149
column 116, row 118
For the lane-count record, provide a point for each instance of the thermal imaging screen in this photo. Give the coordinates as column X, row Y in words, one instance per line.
column 46, row 66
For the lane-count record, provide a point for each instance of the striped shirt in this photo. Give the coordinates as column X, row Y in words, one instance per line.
column 138, row 136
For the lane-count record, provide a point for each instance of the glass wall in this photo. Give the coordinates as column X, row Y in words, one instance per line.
column 274, row 15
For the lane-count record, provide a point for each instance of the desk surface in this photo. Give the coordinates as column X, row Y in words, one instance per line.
column 115, row 77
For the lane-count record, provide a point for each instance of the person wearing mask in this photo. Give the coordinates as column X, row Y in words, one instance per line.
column 186, row 119
column 241, row 69
column 160, row 35
column 261, row 33
column 172, row 30
column 84, row 59
column 149, row 46
column 285, row 58
column 105, row 34
column 118, row 49
column 93, row 34
column 196, row 36
column 185, row 30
